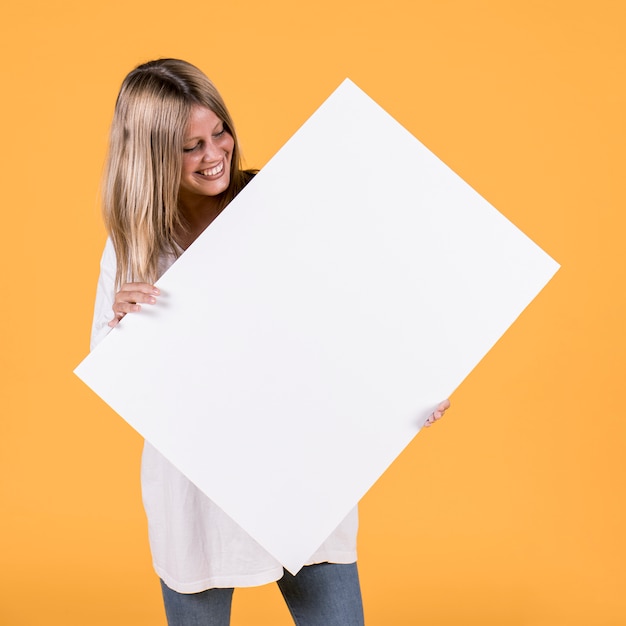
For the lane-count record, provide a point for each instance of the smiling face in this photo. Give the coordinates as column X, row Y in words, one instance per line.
column 207, row 153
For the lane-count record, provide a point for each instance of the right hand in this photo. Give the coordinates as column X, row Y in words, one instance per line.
column 130, row 298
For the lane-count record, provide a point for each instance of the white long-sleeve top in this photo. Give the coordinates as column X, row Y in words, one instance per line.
column 194, row 544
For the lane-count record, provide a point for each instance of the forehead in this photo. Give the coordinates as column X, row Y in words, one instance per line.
column 201, row 120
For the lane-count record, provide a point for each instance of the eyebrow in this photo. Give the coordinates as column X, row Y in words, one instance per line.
column 221, row 122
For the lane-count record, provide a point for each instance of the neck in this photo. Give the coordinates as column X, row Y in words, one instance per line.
column 197, row 213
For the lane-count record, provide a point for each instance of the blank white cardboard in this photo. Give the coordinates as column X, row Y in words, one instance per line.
column 303, row 339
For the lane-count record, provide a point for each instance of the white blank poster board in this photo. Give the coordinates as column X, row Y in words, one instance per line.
column 303, row 339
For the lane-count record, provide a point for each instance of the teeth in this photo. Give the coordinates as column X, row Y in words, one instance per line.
column 213, row 170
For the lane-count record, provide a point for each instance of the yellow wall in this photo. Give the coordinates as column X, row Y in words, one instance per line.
column 511, row 511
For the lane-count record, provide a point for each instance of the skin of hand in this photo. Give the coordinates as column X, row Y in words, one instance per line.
column 438, row 413
column 130, row 298
column 132, row 295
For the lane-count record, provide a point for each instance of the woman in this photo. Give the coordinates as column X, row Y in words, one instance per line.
column 173, row 165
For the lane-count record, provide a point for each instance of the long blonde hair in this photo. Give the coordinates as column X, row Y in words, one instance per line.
column 143, row 168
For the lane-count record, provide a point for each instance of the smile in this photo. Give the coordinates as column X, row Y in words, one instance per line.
column 213, row 171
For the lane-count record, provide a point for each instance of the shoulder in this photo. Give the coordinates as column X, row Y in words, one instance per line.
column 108, row 254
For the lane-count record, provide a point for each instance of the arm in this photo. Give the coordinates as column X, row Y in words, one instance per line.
column 105, row 293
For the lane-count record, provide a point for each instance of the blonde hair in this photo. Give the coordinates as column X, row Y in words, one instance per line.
column 143, row 168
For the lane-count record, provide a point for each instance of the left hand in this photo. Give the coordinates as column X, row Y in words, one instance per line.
column 438, row 413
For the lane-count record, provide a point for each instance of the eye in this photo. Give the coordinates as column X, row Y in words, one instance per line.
column 192, row 148
column 219, row 133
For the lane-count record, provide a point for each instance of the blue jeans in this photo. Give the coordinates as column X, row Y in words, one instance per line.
column 326, row 594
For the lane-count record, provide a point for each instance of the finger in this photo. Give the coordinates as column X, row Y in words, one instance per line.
column 135, row 297
column 137, row 292
column 125, row 303
column 122, row 308
column 142, row 287
column 439, row 412
column 444, row 406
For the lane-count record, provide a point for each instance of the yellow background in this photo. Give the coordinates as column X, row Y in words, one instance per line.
column 511, row 511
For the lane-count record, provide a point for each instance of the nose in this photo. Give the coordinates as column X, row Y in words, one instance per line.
column 212, row 151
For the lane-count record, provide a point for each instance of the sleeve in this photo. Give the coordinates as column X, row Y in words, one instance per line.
column 105, row 295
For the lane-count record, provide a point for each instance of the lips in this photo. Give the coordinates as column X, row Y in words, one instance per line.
column 212, row 171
